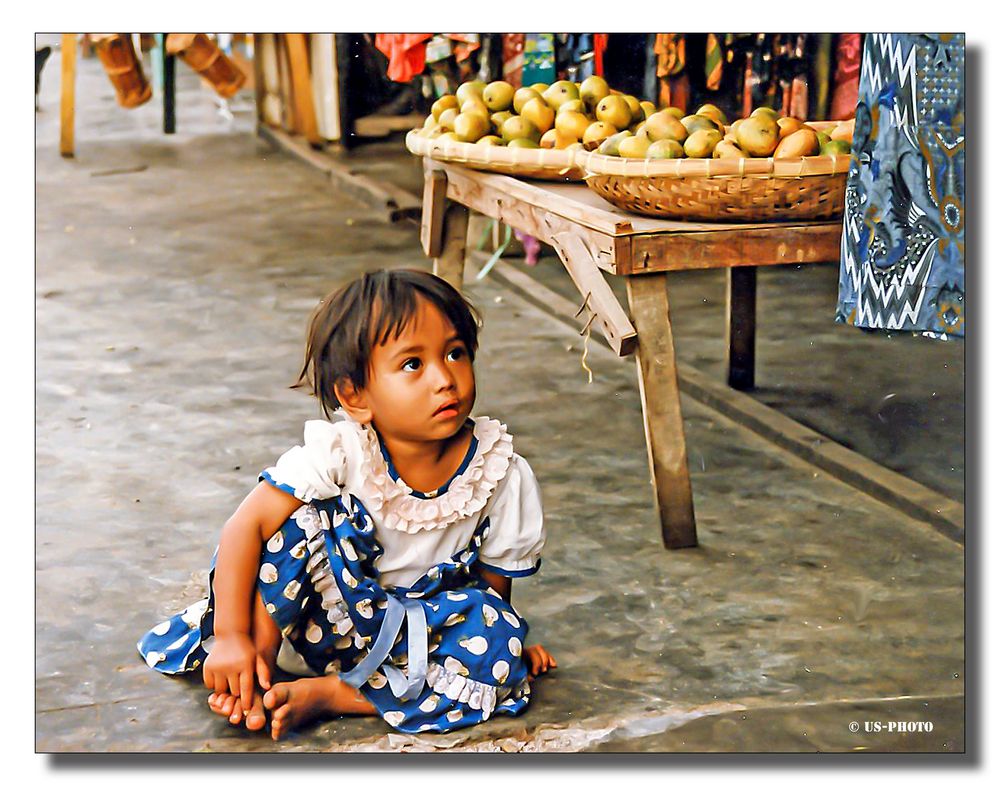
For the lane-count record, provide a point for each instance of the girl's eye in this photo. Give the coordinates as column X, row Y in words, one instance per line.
column 412, row 364
column 456, row 353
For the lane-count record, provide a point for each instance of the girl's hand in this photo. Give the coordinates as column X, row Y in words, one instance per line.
column 538, row 659
column 229, row 667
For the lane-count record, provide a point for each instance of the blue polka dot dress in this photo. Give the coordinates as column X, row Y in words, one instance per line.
column 380, row 584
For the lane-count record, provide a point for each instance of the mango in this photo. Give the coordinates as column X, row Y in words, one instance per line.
column 712, row 111
column 844, row 131
column 498, row 96
column 447, row 119
column 664, row 125
column 467, row 90
column 697, row 122
column 788, row 125
column 519, row 128
column 539, row 113
column 598, row 131
column 609, row 147
column 797, row 144
column 523, row 142
column 593, row 90
column 572, row 124
column 727, row 149
column 835, row 147
column 665, row 148
column 702, row 142
column 560, row 92
column 444, row 102
column 616, row 111
column 522, row 96
column 633, row 147
column 758, row 135
column 636, row 107
column 470, row 126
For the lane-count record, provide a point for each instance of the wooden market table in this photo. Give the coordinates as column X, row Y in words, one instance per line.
column 591, row 235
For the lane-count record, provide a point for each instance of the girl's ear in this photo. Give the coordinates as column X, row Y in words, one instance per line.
column 353, row 400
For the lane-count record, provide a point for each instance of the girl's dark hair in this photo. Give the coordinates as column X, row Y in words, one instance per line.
column 353, row 319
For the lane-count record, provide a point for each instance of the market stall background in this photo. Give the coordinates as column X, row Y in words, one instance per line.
column 818, row 372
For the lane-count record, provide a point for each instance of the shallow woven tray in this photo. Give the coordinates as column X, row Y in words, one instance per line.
column 722, row 189
column 516, row 161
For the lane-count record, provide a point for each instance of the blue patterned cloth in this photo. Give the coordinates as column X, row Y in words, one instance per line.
column 453, row 661
column 903, row 247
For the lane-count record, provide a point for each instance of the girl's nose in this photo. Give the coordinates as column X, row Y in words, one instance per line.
column 442, row 377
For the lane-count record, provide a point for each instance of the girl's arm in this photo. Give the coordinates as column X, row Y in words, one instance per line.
column 230, row 665
column 538, row 658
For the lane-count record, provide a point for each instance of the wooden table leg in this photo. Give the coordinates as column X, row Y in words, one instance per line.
column 298, row 62
column 432, row 211
column 741, row 325
column 67, row 102
column 169, row 91
column 661, row 408
column 451, row 264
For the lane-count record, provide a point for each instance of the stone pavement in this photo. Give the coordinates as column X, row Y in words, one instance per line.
column 174, row 279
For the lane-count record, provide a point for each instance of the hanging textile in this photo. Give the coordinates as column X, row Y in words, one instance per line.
column 845, row 77
column 406, row 53
column 513, row 58
column 820, row 97
column 463, row 45
column 600, row 44
column 903, row 248
column 713, row 62
column 675, row 89
column 539, row 58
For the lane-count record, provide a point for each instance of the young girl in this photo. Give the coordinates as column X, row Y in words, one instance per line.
column 375, row 560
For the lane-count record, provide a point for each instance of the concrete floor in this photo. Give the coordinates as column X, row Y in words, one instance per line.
column 175, row 275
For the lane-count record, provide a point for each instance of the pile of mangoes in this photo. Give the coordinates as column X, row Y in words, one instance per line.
column 561, row 115
column 669, row 133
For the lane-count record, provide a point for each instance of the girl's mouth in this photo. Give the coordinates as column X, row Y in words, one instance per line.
column 449, row 410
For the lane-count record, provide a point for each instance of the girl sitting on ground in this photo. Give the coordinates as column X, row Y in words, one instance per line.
column 375, row 560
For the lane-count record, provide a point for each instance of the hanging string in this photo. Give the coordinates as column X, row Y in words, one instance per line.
column 486, row 233
column 586, row 348
column 496, row 254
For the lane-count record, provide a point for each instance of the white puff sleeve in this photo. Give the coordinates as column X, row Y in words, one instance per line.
column 317, row 469
column 513, row 544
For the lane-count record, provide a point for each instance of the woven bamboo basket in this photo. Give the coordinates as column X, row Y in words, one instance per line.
column 123, row 67
column 543, row 164
column 204, row 56
column 722, row 189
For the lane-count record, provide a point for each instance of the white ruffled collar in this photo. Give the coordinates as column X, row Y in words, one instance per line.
column 467, row 493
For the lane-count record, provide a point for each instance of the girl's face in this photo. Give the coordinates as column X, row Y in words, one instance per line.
column 421, row 385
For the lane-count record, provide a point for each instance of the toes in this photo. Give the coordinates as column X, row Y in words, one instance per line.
column 229, row 703
column 278, row 722
column 215, row 703
column 277, row 696
column 236, row 714
column 256, row 719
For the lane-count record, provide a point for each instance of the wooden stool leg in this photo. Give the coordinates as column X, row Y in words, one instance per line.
column 661, row 408
column 67, row 102
column 741, row 325
column 451, row 264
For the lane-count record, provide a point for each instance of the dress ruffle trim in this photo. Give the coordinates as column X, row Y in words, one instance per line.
column 467, row 493
column 314, row 524
column 457, row 687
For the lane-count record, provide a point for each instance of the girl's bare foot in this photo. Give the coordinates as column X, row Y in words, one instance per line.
column 293, row 703
column 227, row 705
